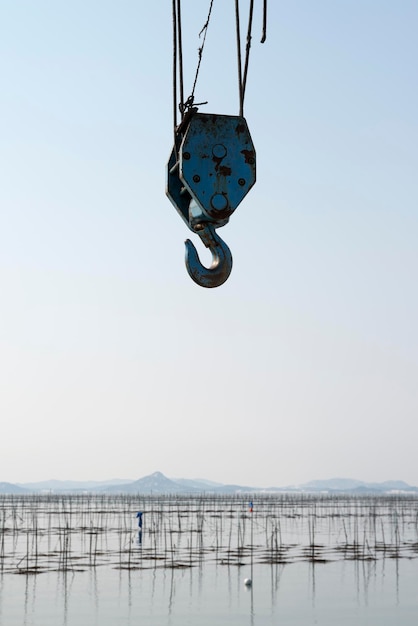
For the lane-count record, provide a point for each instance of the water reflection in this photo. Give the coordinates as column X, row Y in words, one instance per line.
column 29, row 582
column 368, row 574
column 312, row 566
column 252, row 613
column 201, row 596
column 171, row 594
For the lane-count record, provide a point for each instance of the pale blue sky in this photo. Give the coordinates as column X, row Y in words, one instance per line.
column 113, row 363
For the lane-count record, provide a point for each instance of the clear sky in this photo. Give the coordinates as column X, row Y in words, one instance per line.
column 113, row 363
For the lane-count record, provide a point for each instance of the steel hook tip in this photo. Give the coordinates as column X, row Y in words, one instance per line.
column 221, row 266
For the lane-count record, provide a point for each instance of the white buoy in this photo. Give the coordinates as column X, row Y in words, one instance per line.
column 248, row 582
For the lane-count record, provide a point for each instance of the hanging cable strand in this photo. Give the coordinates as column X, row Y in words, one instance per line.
column 238, row 31
column 190, row 99
column 247, row 49
column 174, row 64
column 188, row 107
column 264, row 33
column 180, row 57
column 242, row 77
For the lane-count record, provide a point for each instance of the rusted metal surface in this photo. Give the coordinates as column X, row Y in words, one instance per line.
column 221, row 153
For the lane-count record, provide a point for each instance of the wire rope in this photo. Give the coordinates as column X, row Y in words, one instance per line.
column 264, row 32
column 180, row 45
column 247, row 51
column 205, row 30
column 178, row 77
column 174, row 13
column 239, row 62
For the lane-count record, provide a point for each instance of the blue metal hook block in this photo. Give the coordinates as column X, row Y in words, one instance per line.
column 211, row 169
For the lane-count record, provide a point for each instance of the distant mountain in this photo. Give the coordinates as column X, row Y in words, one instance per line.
column 386, row 487
column 208, row 486
column 339, row 484
column 9, row 488
column 348, row 485
column 197, row 483
column 157, row 483
column 73, row 485
column 235, row 489
column 393, row 484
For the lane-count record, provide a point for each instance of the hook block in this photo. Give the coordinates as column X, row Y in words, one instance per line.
column 217, row 163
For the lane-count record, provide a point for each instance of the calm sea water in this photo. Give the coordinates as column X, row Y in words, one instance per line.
column 358, row 593
column 83, row 561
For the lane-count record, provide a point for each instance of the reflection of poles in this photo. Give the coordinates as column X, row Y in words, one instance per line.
column 252, row 606
column 397, row 580
column 65, row 596
column 249, row 583
column 252, row 563
column 172, row 590
column 312, row 572
column 252, row 542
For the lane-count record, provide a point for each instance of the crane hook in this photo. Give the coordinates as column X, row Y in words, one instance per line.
column 221, row 266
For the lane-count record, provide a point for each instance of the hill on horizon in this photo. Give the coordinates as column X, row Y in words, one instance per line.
column 157, row 483
column 10, row 488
